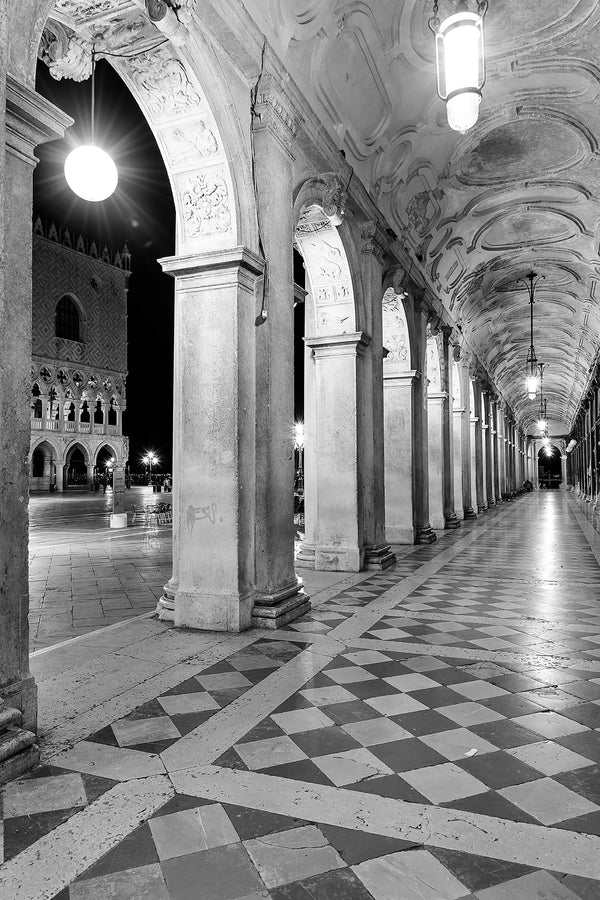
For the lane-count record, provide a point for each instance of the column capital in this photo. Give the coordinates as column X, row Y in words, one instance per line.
column 339, row 344
column 214, row 266
column 406, row 377
column 31, row 120
column 273, row 111
column 374, row 240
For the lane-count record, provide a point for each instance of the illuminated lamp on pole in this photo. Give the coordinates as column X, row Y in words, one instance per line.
column 90, row 172
column 460, row 62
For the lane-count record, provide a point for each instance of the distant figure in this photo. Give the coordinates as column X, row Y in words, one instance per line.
column 104, row 484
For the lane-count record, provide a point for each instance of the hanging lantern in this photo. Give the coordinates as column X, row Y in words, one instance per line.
column 460, row 62
column 89, row 171
column 532, row 386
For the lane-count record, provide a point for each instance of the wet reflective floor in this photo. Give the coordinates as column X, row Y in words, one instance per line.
column 431, row 732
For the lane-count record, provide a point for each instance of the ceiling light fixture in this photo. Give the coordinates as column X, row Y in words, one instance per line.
column 460, row 62
column 90, row 172
column 532, row 379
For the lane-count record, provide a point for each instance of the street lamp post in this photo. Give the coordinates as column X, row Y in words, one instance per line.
column 150, row 459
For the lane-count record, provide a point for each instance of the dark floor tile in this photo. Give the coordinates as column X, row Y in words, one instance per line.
column 587, row 743
column 258, row 675
column 94, row 785
column 137, row 849
column 223, row 873
column 231, row 760
column 218, row 668
column 387, row 669
column 491, row 804
column 180, row 802
column 452, row 676
column 424, row 722
column 478, row 872
column 505, row 734
column 321, row 741
column 392, row 786
column 584, row 713
column 515, row 682
column 402, row 756
column 21, row 832
column 62, row 895
column 350, row 711
column 498, row 770
column 341, row 884
column 186, row 722
column 255, row 823
column 340, row 662
column 296, row 701
column 265, row 729
column 105, row 736
column 586, row 690
column 583, row 781
column 148, row 710
column 319, row 680
column 511, row 705
column 436, row 697
column 356, row 846
column 303, row 770
column 227, row 696
column 585, row 888
column 156, row 747
column 189, row 686
column 364, row 690
column 589, row 824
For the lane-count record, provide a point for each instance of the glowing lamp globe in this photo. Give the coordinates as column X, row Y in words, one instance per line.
column 91, row 173
column 532, row 384
column 460, row 67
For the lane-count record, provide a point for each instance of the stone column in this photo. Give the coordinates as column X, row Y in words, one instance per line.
column 478, row 440
column 424, row 533
column 30, row 120
column 467, row 445
column 339, row 532
column 489, row 450
column 451, row 520
column 435, row 403
column 498, row 450
column 306, row 556
column 398, row 398
column 279, row 595
column 484, row 459
column 378, row 554
column 214, row 512
column 563, row 471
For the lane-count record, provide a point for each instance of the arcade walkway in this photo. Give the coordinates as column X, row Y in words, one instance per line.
column 427, row 733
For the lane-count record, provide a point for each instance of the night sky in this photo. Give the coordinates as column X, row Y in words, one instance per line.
column 141, row 213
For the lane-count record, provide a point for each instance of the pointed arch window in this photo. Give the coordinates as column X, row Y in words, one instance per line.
column 66, row 321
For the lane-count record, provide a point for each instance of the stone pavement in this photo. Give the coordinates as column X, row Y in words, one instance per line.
column 431, row 732
column 84, row 575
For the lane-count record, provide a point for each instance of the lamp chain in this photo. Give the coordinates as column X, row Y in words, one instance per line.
column 93, row 90
column 482, row 7
column 434, row 21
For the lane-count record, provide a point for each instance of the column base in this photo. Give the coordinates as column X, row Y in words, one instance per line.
column 378, row 558
column 339, row 559
column 481, row 507
column 451, row 521
column 470, row 513
column 491, row 504
column 165, row 608
column 18, row 750
column 22, row 695
column 213, row 612
column 277, row 609
column 306, row 557
column 425, row 535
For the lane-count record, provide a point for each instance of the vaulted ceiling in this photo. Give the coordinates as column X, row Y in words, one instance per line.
column 520, row 191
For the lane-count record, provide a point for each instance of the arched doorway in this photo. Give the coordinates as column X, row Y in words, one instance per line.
column 76, row 469
column 549, row 467
column 333, row 362
column 43, row 467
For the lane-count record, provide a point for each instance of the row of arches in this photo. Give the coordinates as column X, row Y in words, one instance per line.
column 52, row 467
column 73, row 406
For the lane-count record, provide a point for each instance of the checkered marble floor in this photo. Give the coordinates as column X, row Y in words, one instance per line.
column 427, row 733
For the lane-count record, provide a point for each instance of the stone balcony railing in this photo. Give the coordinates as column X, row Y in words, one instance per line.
column 74, row 427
